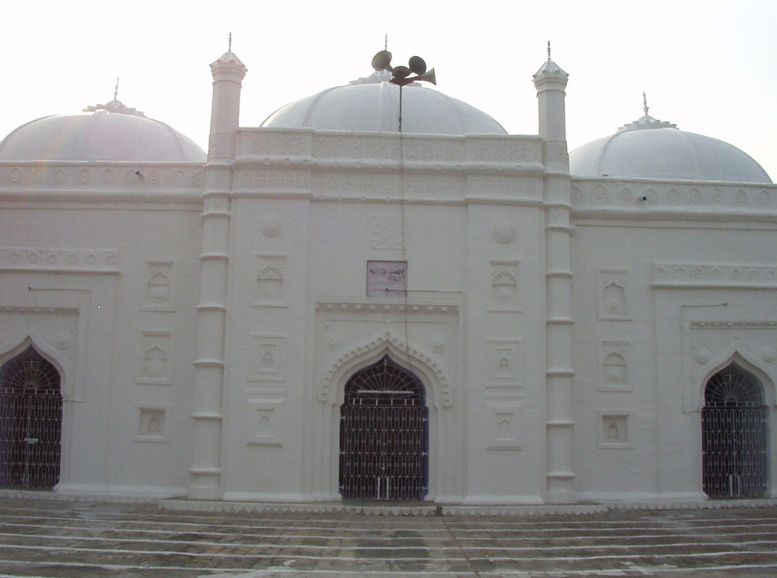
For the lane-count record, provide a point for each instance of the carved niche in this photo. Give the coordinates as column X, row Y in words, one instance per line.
column 152, row 425
column 505, row 290
column 159, row 294
column 505, row 426
column 612, row 294
column 267, row 359
column 504, row 371
column 613, row 365
column 614, row 431
column 155, row 364
column 265, row 422
column 270, row 281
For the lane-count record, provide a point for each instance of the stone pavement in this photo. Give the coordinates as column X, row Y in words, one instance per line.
column 85, row 539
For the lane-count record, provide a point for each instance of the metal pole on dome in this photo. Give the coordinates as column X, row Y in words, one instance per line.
column 401, row 75
column 401, row 86
column 415, row 71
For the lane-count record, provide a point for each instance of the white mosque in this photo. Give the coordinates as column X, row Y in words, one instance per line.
column 327, row 308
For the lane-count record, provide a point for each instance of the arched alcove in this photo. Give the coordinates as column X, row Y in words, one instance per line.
column 384, row 437
column 734, row 435
column 30, row 421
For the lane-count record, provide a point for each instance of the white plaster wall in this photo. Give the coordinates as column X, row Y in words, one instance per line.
column 505, row 405
column 312, row 209
column 92, row 263
column 676, row 272
column 264, row 401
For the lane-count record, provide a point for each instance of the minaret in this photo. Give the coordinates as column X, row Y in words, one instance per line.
column 205, row 472
column 550, row 82
column 228, row 73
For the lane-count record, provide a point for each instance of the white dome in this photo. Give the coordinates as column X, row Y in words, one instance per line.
column 99, row 136
column 372, row 105
column 651, row 149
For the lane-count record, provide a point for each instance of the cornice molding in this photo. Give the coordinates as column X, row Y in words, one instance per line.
column 365, row 304
column 714, row 275
column 59, row 260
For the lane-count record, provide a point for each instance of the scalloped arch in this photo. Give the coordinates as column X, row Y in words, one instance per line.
column 386, row 343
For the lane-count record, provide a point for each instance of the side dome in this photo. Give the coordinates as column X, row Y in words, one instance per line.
column 111, row 132
column 653, row 149
column 372, row 105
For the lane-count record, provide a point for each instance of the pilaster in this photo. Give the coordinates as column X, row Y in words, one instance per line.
column 550, row 81
column 205, row 472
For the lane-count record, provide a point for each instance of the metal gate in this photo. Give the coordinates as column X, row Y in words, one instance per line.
column 30, row 422
column 734, row 435
column 384, row 435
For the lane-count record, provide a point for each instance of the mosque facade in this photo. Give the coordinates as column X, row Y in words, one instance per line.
column 326, row 308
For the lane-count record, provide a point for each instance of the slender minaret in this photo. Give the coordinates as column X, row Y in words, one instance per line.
column 205, row 481
column 550, row 82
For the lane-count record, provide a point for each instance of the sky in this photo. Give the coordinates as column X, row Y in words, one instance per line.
column 709, row 66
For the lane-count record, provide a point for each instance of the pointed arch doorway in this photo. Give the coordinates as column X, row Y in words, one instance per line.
column 30, row 422
column 734, row 435
column 384, row 435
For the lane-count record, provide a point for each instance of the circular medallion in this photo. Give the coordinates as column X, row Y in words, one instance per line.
column 271, row 226
column 503, row 233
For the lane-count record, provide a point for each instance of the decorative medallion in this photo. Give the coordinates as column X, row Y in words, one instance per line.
column 503, row 233
column 271, row 226
column 64, row 339
column 702, row 355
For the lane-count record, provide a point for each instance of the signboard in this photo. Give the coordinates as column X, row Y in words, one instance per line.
column 386, row 278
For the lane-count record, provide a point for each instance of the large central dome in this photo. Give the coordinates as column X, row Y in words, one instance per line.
column 372, row 105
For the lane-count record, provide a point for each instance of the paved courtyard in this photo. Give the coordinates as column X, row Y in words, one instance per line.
column 85, row 539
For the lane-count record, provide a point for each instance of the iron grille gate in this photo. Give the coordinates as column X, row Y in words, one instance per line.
column 734, row 452
column 734, row 436
column 30, row 422
column 383, row 435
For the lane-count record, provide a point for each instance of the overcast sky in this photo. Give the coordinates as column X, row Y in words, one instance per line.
column 708, row 66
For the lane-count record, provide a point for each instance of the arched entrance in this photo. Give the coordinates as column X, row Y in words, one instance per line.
column 30, row 422
column 734, row 435
column 384, row 435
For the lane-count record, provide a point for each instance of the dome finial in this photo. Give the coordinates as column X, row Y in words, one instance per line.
column 115, row 105
column 229, row 45
column 548, row 50
column 385, row 41
column 646, row 121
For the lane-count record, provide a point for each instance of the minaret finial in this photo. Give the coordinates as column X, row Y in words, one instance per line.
column 385, row 41
column 548, row 49
column 229, row 49
column 644, row 103
column 116, row 90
